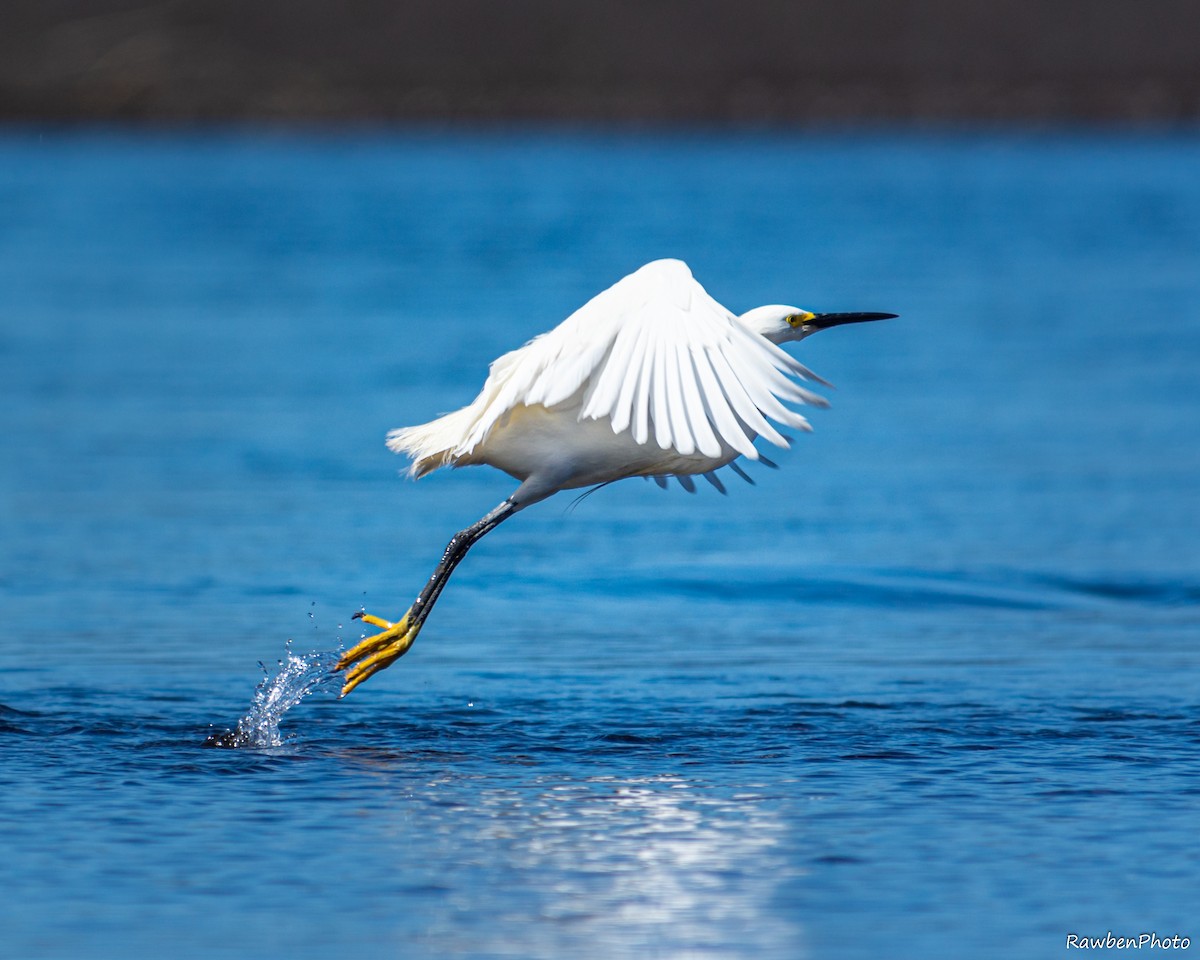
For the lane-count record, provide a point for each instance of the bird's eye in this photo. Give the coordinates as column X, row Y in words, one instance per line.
column 795, row 319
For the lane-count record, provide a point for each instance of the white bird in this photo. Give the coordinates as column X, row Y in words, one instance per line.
column 650, row 378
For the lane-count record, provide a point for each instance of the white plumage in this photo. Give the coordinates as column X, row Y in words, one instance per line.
column 675, row 383
column 652, row 377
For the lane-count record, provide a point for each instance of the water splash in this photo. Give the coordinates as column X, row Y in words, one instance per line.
column 298, row 676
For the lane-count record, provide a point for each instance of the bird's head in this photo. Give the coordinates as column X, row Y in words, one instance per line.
column 780, row 323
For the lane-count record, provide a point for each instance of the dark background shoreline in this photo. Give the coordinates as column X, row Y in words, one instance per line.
column 763, row 63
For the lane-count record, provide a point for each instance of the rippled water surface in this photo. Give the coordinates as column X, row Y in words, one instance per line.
column 929, row 690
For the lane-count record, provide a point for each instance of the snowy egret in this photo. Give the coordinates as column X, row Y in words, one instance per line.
column 650, row 378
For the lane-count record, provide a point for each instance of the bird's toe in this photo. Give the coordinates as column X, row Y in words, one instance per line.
column 373, row 620
column 377, row 652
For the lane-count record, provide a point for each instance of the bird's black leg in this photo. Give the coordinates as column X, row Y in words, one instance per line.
column 377, row 652
column 456, row 549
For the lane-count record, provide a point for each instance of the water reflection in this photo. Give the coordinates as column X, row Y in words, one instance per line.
column 605, row 866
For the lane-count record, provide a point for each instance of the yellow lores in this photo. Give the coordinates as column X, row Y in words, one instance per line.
column 650, row 378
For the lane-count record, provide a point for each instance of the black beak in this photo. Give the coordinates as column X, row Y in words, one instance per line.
column 823, row 321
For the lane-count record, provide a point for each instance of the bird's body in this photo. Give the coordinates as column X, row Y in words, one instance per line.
column 558, row 449
column 652, row 377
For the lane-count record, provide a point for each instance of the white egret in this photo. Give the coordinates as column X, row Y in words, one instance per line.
column 650, row 378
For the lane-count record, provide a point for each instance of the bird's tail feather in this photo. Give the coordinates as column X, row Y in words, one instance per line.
column 434, row 444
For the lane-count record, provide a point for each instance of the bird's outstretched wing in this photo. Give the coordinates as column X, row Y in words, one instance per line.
column 654, row 354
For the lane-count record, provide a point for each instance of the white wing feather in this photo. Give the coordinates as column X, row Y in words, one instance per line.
column 654, row 354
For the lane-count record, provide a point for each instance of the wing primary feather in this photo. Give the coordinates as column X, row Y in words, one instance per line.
column 717, row 403
column 716, row 482
column 641, row 400
column 661, row 481
column 699, row 417
column 682, row 436
column 756, row 350
column 768, row 463
column 686, row 482
column 625, row 406
column 787, row 389
column 610, row 392
column 658, row 390
column 600, row 389
column 786, row 363
column 613, row 396
column 761, row 394
column 741, row 402
column 800, row 370
column 736, row 468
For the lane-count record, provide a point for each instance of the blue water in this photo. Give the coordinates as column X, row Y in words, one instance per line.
column 932, row 689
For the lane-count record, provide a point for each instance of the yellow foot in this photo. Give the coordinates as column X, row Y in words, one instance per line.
column 378, row 652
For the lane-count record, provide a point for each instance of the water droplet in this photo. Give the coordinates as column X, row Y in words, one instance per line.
column 298, row 676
